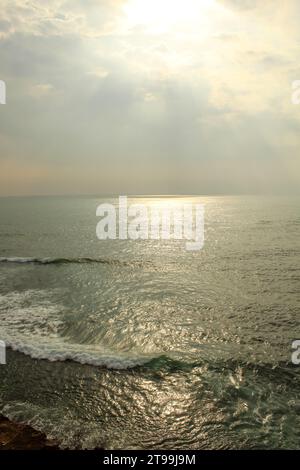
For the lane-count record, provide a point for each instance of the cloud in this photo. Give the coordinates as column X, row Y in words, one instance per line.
column 240, row 4
column 95, row 105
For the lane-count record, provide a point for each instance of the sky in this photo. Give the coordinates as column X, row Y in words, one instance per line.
column 149, row 97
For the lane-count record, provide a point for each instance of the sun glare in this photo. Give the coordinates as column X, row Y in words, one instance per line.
column 165, row 15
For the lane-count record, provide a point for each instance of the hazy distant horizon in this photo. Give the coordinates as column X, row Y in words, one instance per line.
column 130, row 195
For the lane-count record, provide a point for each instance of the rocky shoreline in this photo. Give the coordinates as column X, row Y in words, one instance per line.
column 16, row 436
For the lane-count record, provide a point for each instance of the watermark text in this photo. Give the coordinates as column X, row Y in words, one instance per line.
column 163, row 221
column 2, row 352
column 2, row 92
column 296, row 352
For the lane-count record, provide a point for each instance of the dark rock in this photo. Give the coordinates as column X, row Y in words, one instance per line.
column 17, row 436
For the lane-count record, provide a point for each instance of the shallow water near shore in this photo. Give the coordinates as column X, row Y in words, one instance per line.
column 142, row 344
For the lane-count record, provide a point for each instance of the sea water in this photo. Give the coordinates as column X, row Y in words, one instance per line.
column 144, row 344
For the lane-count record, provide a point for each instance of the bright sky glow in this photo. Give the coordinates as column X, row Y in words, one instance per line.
column 149, row 96
column 165, row 15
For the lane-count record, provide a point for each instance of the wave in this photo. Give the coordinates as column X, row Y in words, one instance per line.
column 34, row 330
column 69, row 352
column 79, row 260
column 32, row 324
column 171, row 361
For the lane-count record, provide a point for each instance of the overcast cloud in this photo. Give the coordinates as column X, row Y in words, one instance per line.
column 102, row 100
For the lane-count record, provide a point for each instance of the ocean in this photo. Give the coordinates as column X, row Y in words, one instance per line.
column 142, row 344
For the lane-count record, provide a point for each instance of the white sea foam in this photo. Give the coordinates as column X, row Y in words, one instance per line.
column 71, row 352
column 31, row 324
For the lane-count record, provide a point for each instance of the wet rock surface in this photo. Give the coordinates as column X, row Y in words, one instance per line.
column 16, row 436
